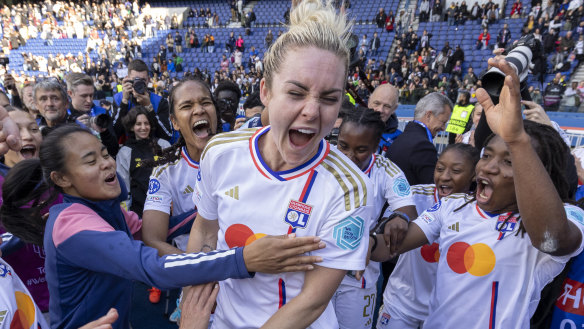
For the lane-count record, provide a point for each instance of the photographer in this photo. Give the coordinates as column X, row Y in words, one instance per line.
column 81, row 91
column 134, row 92
column 10, row 87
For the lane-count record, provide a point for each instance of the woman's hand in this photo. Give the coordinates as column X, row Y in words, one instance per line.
column 535, row 112
column 504, row 119
column 9, row 133
column 276, row 254
column 458, row 139
column 394, row 233
column 197, row 304
column 105, row 322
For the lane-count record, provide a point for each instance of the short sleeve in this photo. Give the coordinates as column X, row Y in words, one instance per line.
column 346, row 240
column 397, row 190
column 430, row 222
column 159, row 196
column 203, row 197
column 576, row 216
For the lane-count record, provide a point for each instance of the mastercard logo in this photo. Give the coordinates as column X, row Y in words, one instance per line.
column 430, row 253
column 24, row 317
column 239, row 235
column 477, row 259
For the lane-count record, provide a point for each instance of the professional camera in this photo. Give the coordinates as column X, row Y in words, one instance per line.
column 519, row 55
column 139, row 85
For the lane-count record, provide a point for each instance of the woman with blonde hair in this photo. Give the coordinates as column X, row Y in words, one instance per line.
column 285, row 178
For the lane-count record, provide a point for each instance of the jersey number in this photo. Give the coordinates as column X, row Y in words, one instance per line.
column 369, row 308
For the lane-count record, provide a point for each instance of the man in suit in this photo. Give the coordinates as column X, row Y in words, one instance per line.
column 414, row 151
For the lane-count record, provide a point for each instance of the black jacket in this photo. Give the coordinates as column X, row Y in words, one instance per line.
column 414, row 154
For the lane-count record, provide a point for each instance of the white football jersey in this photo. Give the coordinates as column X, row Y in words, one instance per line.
column 328, row 196
column 17, row 308
column 489, row 275
column 171, row 192
column 170, row 186
column 410, row 285
column 389, row 185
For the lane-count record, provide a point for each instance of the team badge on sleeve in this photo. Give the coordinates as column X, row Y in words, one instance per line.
column 153, row 186
column 401, row 187
column 348, row 232
column 435, row 207
column 297, row 214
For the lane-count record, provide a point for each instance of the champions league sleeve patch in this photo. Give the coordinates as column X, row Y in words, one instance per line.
column 401, row 187
column 153, row 186
column 348, row 232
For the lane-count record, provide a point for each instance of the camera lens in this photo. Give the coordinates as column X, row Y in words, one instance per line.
column 139, row 85
column 519, row 58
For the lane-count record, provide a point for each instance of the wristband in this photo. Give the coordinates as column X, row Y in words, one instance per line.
column 381, row 226
column 374, row 236
column 400, row 214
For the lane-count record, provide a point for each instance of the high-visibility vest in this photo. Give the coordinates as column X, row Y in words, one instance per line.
column 459, row 118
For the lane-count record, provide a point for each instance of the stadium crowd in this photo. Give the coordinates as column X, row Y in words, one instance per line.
column 119, row 168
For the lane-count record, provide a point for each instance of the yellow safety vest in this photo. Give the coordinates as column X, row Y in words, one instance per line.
column 459, row 118
column 351, row 99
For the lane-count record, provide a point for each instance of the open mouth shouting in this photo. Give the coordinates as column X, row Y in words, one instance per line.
column 111, row 179
column 28, row 151
column 484, row 190
column 202, row 129
column 301, row 136
column 444, row 190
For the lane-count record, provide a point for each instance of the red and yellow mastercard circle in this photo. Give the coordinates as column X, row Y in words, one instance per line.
column 477, row 259
column 239, row 235
column 430, row 253
column 24, row 317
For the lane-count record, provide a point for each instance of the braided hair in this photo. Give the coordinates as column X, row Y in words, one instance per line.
column 552, row 151
column 365, row 117
column 172, row 153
